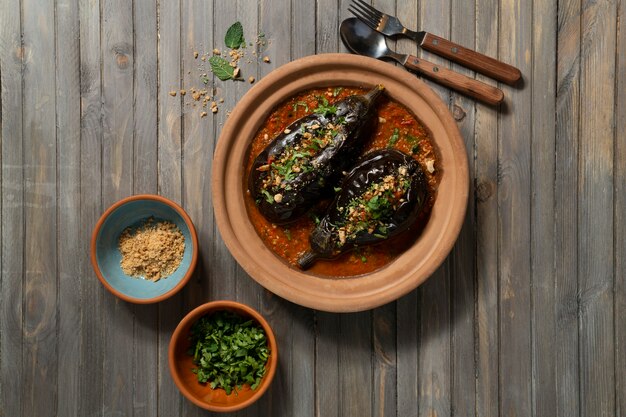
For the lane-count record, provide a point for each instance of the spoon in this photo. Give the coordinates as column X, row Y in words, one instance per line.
column 360, row 39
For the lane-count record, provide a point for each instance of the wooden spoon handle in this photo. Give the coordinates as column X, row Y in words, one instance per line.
column 456, row 81
column 484, row 64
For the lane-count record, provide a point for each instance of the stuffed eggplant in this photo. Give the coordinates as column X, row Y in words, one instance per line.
column 304, row 161
column 379, row 199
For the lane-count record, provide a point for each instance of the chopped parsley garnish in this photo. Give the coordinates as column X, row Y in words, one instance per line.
column 302, row 104
column 323, row 107
column 336, row 91
column 229, row 350
column 363, row 259
column 415, row 149
column 288, row 234
column 394, row 138
column 268, row 197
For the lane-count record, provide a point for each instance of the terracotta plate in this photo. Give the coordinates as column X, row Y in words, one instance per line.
column 363, row 292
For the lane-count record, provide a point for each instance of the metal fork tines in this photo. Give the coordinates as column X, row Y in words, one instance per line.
column 379, row 21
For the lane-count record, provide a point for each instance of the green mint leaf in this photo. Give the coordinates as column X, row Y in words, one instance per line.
column 234, row 36
column 221, row 68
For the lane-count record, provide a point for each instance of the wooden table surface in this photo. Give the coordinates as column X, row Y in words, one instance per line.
column 527, row 316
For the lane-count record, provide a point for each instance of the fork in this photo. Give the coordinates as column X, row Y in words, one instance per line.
column 391, row 26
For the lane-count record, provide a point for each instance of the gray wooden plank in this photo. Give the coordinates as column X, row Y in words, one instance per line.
column 355, row 365
column 619, row 217
column 595, row 209
column 169, row 179
column 462, row 257
column 91, row 384
column 39, row 365
column 486, row 200
column 327, row 26
column 197, row 35
column 12, row 53
column 224, row 265
column 543, row 101
column 327, row 329
column 275, row 21
column 566, row 208
column 407, row 307
column 145, row 178
column 514, row 195
column 69, row 248
column 384, row 361
column 435, row 369
column 117, row 182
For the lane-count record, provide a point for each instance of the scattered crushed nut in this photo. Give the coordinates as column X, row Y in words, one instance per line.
column 195, row 54
column 183, row 92
column 236, row 72
column 173, row 93
column 216, row 52
column 278, row 198
column 203, row 114
column 250, row 79
column 214, row 109
column 266, row 59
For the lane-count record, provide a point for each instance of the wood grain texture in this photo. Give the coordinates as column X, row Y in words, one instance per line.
column 543, row 103
column 595, row 212
column 12, row 53
column 619, row 216
column 40, row 286
column 471, row 59
column 69, row 248
column 486, row 197
column 456, row 81
column 462, row 257
column 525, row 317
column 91, row 385
column 566, row 208
column 514, row 198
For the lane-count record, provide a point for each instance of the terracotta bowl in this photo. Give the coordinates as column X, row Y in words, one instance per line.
column 181, row 363
column 106, row 257
column 407, row 271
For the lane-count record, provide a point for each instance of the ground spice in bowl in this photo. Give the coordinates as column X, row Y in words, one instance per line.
column 153, row 251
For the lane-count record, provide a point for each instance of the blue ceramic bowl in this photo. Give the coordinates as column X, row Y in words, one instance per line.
column 106, row 257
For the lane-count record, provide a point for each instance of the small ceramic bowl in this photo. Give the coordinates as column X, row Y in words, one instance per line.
column 106, row 257
column 181, row 363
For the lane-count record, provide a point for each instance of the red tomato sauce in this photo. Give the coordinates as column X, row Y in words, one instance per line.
column 397, row 128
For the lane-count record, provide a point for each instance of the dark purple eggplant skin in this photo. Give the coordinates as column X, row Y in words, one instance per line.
column 371, row 169
column 306, row 189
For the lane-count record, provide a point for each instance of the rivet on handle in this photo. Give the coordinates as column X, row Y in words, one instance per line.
column 435, row 69
column 454, row 50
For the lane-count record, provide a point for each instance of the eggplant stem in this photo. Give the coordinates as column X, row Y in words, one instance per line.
column 307, row 260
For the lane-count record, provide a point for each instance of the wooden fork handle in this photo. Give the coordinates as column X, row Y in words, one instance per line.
column 493, row 68
column 456, row 81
